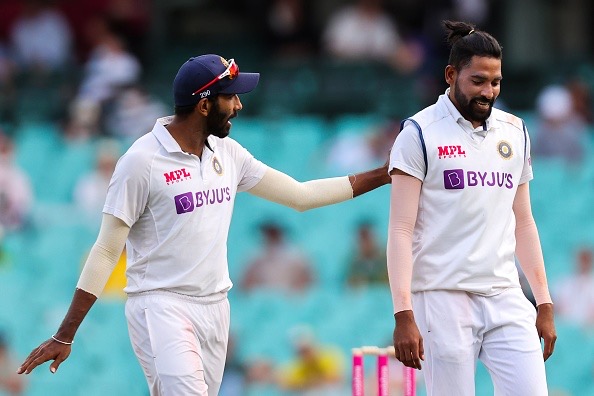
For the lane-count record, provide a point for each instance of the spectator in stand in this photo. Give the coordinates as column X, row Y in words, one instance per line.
column 41, row 38
column 365, row 31
column 240, row 375
column 289, row 28
column 16, row 195
column 131, row 20
column 91, row 189
column 575, row 294
column 581, row 96
column 109, row 69
column 133, row 114
column 279, row 265
column 10, row 382
column 560, row 132
column 351, row 149
column 315, row 370
column 368, row 262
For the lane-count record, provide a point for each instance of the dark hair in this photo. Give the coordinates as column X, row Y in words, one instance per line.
column 466, row 41
column 184, row 111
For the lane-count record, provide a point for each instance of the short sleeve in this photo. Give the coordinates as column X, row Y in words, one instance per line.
column 128, row 191
column 527, row 174
column 250, row 170
column 407, row 153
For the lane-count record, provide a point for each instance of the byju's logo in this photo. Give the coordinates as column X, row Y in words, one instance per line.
column 184, row 203
column 457, row 179
column 453, row 179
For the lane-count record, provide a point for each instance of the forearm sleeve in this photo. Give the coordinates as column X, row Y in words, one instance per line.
column 278, row 187
column 528, row 249
column 404, row 203
column 104, row 255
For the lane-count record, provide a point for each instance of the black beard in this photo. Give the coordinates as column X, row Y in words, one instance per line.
column 466, row 109
column 216, row 122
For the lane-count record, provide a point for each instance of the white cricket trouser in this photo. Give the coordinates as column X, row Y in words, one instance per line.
column 180, row 341
column 458, row 328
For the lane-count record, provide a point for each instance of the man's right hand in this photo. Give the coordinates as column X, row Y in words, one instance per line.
column 49, row 350
column 408, row 343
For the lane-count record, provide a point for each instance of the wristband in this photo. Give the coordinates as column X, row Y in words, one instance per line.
column 62, row 342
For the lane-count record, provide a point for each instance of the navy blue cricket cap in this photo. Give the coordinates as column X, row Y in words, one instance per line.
column 199, row 77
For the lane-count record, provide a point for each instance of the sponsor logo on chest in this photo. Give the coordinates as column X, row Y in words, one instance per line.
column 186, row 202
column 457, row 179
column 453, row 151
column 177, row 176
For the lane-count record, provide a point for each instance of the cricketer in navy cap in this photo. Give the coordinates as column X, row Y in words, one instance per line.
column 206, row 75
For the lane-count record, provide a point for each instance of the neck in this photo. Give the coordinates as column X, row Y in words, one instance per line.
column 189, row 134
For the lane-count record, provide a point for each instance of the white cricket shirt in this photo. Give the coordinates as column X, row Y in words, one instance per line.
column 464, row 235
column 179, row 209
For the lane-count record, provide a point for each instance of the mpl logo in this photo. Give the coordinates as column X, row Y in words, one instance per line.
column 176, row 176
column 450, row 152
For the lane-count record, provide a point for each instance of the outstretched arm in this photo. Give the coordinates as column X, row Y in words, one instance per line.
column 281, row 188
column 370, row 180
column 98, row 267
column 531, row 260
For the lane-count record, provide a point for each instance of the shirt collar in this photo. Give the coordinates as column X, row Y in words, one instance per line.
column 169, row 143
column 164, row 137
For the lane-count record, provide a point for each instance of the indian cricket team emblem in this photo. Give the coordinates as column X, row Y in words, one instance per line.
column 504, row 149
column 216, row 165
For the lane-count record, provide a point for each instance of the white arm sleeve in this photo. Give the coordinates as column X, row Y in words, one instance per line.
column 404, row 206
column 278, row 187
column 104, row 255
column 528, row 249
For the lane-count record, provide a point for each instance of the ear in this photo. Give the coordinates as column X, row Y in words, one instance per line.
column 450, row 74
column 203, row 106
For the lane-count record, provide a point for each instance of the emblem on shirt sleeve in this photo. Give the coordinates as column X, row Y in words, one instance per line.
column 504, row 149
column 216, row 165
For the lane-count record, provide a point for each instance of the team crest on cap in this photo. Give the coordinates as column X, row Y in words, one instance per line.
column 224, row 62
column 504, row 149
column 216, row 165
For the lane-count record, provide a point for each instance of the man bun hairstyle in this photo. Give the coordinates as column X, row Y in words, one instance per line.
column 466, row 41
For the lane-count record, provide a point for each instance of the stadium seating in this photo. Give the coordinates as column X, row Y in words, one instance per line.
column 46, row 258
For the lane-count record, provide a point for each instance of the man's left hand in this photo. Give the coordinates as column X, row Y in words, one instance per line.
column 545, row 325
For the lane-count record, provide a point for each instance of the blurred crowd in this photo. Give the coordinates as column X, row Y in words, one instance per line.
column 88, row 60
column 78, row 64
column 86, row 65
